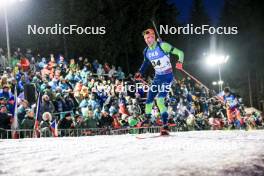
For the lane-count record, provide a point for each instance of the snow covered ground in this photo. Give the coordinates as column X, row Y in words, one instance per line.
column 183, row 153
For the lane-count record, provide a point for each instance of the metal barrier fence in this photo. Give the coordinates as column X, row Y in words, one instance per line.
column 141, row 130
column 46, row 132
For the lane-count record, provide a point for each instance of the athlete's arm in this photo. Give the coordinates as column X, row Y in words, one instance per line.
column 172, row 50
column 144, row 66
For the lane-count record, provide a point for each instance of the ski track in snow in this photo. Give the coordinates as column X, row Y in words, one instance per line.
column 183, row 153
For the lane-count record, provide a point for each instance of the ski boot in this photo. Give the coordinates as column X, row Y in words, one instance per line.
column 165, row 130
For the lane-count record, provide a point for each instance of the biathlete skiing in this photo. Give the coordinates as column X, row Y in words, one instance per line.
column 157, row 53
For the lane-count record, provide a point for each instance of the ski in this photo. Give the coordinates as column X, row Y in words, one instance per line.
column 153, row 136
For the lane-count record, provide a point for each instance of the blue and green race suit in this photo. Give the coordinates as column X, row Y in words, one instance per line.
column 158, row 56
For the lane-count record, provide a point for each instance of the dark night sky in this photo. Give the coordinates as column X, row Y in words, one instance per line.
column 213, row 8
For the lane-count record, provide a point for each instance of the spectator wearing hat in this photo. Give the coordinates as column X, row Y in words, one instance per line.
column 124, row 120
column 84, row 74
column 59, row 104
column 54, row 83
column 11, row 105
column 28, row 123
column 61, row 62
column 3, row 101
column 4, row 118
column 90, row 121
column 112, row 72
column 100, row 70
column 95, row 65
column 64, row 85
column 78, row 122
column 77, row 77
column 87, row 64
column 69, row 102
column 93, row 102
column 66, row 124
column 44, row 85
column 42, row 63
column 46, row 105
column 5, row 92
column 51, row 93
column 45, row 125
column 4, row 121
column 70, row 78
column 22, row 82
column 106, row 120
column 97, row 113
column 73, row 65
column 79, row 125
column 21, row 110
column 120, row 74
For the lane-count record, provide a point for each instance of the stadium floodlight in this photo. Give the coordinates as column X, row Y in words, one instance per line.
column 220, row 82
column 215, row 59
column 4, row 4
column 214, row 83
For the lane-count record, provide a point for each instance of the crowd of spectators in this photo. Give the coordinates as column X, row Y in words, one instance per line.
column 84, row 93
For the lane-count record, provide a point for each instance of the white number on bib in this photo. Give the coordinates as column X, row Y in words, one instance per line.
column 161, row 64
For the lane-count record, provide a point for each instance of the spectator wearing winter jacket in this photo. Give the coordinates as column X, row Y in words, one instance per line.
column 42, row 63
column 46, row 105
column 120, row 74
column 90, row 121
column 100, row 70
column 11, row 105
column 45, row 125
column 21, row 111
column 112, row 72
column 4, row 118
column 29, row 121
column 5, row 92
column 73, row 65
column 78, row 122
column 69, row 103
column 59, row 104
column 106, row 120
column 64, row 85
column 66, row 124
column 4, row 122
column 95, row 65
column 93, row 101
column 28, row 124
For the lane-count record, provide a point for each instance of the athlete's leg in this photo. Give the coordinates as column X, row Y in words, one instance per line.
column 161, row 98
column 150, row 98
column 230, row 117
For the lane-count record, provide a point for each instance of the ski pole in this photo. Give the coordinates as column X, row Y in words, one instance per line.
column 196, row 80
column 199, row 82
column 142, row 80
column 156, row 30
